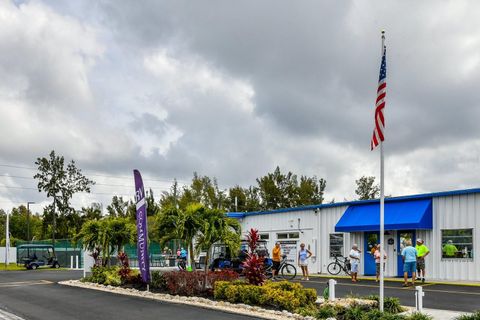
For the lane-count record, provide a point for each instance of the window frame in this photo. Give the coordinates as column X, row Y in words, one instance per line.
column 342, row 246
column 463, row 245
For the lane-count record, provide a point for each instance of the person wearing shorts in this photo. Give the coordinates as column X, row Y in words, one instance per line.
column 409, row 256
column 354, row 262
column 276, row 253
column 303, row 255
column 377, row 254
column 422, row 252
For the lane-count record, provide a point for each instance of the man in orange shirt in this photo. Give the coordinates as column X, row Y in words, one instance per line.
column 276, row 253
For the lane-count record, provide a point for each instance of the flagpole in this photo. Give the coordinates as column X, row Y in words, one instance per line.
column 382, row 207
column 7, row 241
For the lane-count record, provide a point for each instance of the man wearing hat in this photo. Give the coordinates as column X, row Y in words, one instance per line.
column 422, row 252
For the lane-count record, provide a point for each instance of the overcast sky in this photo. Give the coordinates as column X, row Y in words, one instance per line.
column 232, row 89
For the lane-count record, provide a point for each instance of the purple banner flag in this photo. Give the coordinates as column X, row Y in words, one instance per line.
column 142, row 244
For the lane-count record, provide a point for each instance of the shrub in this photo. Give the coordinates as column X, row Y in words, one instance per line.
column 278, row 295
column 474, row 316
column 112, row 277
column 192, row 283
column 125, row 270
column 354, row 313
column 158, row 281
column 325, row 312
column 419, row 316
column 310, row 311
column 253, row 265
column 390, row 304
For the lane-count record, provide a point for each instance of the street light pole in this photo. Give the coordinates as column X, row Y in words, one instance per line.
column 28, row 219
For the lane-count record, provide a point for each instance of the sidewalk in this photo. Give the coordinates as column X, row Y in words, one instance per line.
column 431, row 281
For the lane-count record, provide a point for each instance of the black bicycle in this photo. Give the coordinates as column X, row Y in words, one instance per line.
column 286, row 270
column 340, row 264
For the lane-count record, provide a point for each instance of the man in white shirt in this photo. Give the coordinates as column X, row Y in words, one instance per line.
column 354, row 262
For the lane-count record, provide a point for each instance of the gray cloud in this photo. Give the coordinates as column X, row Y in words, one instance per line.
column 234, row 89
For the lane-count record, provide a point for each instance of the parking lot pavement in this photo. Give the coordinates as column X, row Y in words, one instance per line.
column 437, row 296
column 33, row 295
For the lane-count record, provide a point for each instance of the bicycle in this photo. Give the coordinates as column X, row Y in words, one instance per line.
column 340, row 263
column 286, row 270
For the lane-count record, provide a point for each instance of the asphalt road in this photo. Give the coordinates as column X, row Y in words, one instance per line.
column 437, row 296
column 36, row 295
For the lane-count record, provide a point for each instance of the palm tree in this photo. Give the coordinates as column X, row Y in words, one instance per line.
column 174, row 223
column 106, row 235
column 217, row 227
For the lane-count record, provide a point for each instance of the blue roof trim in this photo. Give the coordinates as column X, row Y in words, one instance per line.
column 399, row 215
column 358, row 202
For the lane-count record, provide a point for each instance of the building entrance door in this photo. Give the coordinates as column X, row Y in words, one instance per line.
column 371, row 239
column 402, row 237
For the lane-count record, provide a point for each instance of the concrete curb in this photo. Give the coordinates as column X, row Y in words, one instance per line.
column 223, row 306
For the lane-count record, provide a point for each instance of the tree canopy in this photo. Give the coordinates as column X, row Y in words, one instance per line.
column 366, row 188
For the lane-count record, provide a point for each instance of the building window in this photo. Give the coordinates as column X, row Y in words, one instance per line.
column 336, row 244
column 264, row 236
column 457, row 243
column 288, row 235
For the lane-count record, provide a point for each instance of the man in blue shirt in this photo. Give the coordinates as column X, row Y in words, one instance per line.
column 409, row 256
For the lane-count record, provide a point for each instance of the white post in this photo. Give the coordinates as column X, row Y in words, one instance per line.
column 419, row 294
column 71, row 262
column 331, row 289
column 7, row 241
column 382, row 208
column 84, row 263
column 76, row 262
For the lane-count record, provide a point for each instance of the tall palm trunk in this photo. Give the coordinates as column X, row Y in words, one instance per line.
column 192, row 256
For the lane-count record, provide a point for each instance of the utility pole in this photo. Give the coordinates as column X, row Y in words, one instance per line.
column 28, row 219
column 54, row 220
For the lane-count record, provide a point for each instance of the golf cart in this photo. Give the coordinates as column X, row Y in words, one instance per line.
column 222, row 258
column 33, row 256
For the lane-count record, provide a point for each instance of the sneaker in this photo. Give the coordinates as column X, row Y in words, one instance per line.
column 405, row 285
column 307, row 279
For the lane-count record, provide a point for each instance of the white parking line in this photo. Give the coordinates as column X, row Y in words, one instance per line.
column 4, row 315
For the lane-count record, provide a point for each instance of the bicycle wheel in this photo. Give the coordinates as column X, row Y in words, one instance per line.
column 334, row 268
column 288, row 271
column 268, row 272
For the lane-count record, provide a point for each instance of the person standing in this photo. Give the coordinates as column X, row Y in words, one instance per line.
column 449, row 250
column 422, row 252
column 409, row 256
column 276, row 253
column 377, row 254
column 303, row 255
column 354, row 262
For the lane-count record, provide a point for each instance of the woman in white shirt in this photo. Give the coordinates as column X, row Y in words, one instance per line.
column 354, row 262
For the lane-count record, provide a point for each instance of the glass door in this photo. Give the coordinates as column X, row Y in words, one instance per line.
column 402, row 237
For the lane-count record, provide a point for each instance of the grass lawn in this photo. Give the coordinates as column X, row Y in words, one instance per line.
column 11, row 267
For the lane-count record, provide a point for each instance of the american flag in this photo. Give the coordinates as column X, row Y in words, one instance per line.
column 378, row 131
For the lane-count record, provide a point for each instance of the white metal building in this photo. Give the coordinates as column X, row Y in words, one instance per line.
column 448, row 222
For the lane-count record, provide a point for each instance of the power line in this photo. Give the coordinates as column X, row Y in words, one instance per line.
column 96, row 183
column 98, row 175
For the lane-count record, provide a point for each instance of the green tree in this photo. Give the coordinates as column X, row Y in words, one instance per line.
column 217, row 227
column 60, row 182
column 366, row 188
column 18, row 223
column 310, row 191
column 174, row 223
column 94, row 212
column 105, row 236
column 170, row 198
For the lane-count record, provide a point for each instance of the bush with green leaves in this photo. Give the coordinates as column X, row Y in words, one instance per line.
column 473, row 316
column 278, row 295
column 390, row 304
column 419, row 316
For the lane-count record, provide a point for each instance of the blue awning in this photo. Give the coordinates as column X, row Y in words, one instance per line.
column 399, row 215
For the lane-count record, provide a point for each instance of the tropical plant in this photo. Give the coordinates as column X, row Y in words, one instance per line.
column 105, row 236
column 217, row 227
column 173, row 223
column 253, row 264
